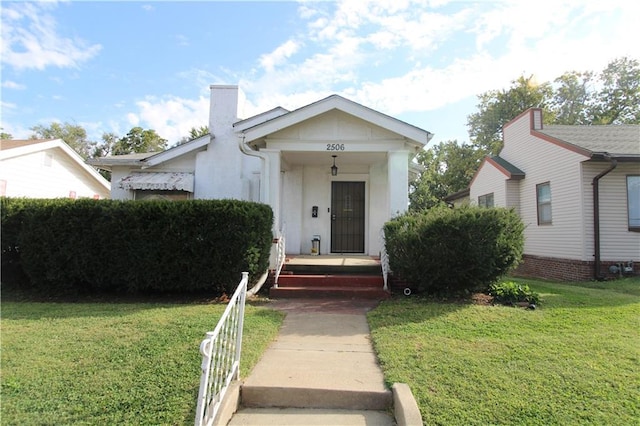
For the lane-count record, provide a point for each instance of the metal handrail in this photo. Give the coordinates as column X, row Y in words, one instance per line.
column 221, row 356
column 384, row 260
column 280, row 257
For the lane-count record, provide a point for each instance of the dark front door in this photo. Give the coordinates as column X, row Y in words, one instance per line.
column 347, row 217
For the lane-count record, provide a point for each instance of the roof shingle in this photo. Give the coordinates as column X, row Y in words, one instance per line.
column 623, row 139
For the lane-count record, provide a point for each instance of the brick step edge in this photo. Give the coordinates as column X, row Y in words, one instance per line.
column 329, row 292
column 331, row 280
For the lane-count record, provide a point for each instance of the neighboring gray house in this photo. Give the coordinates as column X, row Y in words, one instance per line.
column 577, row 189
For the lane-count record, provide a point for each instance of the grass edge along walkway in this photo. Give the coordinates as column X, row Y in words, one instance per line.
column 574, row 360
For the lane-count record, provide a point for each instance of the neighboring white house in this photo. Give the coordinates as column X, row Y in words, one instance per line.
column 551, row 176
column 285, row 159
column 47, row 168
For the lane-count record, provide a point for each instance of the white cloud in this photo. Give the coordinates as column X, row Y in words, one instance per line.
column 401, row 57
column 8, row 105
column 202, row 79
column 133, row 119
column 13, row 85
column 279, row 55
column 17, row 131
column 31, row 40
column 182, row 40
column 171, row 117
column 446, row 52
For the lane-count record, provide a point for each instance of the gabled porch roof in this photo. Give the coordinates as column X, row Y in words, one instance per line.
column 252, row 132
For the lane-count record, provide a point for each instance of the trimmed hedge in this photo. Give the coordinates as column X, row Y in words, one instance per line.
column 74, row 246
column 451, row 251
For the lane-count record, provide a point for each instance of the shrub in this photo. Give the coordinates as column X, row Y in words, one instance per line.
column 451, row 251
column 510, row 293
column 74, row 246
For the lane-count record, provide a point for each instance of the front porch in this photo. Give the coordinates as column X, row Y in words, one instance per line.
column 335, row 276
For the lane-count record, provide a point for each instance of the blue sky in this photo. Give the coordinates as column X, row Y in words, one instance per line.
column 113, row 65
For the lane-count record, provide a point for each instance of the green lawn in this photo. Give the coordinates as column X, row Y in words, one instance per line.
column 112, row 363
column 573, row 361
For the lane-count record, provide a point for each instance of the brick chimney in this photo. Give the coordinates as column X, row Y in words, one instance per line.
column 536, row 119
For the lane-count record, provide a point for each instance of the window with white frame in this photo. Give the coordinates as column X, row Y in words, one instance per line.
column 485, row 200
column 633, row 202
column 543, row 194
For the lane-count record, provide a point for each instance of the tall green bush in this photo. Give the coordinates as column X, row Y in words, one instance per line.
column 448, row 251
column 73, row 246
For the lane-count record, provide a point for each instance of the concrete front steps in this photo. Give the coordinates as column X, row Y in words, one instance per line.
column 330, row 277
column 310, row 417
column 321, row 370
column 309, row 406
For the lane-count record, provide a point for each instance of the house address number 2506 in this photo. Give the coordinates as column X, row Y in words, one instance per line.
column 335, row 147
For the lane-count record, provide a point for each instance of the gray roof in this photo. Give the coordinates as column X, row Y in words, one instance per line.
column 119, row 160
column 617, row 140
column 515, row 172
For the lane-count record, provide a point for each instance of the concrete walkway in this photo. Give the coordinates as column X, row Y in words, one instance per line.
column 320, row 370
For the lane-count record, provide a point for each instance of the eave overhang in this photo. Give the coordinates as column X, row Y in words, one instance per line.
column 413, row 135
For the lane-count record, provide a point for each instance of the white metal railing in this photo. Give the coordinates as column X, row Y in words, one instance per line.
column 221, row 356
column 384, row 260
column 280, row 257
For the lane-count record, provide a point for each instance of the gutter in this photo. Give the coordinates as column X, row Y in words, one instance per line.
column 265, row 161
column 596, row 215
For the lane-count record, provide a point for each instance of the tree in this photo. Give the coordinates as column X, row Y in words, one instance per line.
column 194, row 133
column 5, row 135
column 448, row 168
column 618, row 102
column 105, row 148
column 498, row 107
column 139, row 140
column 74, row 135
column 573, row 98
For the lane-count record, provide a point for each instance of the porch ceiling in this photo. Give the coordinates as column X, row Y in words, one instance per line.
column 325, row 159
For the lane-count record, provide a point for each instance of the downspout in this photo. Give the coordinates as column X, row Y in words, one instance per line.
column 596, row 215
column 265, row 161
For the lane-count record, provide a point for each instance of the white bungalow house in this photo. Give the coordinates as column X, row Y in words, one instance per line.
column 333, row 170
column 47, row 168
column 577, row 189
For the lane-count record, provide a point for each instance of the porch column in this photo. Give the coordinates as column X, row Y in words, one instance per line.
column 271, row 182
column 398, row 179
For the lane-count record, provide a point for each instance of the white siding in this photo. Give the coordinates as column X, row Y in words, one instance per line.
column 513, row 195
column 378, row 207
column 315, row 190
column 292, row 202
column 306, row 163
column 542, row 162
column 617, row 243
column 48, row 174
column 335, row 126
column 117, row 193
column 489, row 180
